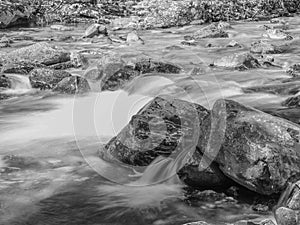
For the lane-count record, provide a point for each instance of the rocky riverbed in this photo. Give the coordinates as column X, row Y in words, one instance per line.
column 191, row 125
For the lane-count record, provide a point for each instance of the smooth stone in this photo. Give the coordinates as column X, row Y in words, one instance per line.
column 95, row 30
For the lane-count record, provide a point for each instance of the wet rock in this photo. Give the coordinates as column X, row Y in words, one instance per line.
column 259, row 151
column 46, row 78
column 95, row 30
column 210, row 31
column 174, row 47
column 292, row 102
column 40, row 53
column 233, row 44
column 5, row 82
column 133, row 37
column 72, row 85
column 156, row 130
column 4, row 45
column 223, row 25
column 148, row 65
column 238, row 61
column 289, row 88
column 263, row 47
column 118, row 79
column 277, row 34
column 12, row 15
column 20, row 67
column 291, row 114
column 250, row 222
column 78, row 60
column 198, row 223
column 61, row 27
column 6, row 40
column 197, row 22
column 294, row 70
column 285, row 216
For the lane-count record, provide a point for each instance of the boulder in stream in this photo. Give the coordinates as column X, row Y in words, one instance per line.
column 40, row 53
column 163, row 128
column 277, row 34
column 259, row 151
column 95, row 30
column 149, row 65
column 134, row 38
column 238, row 61
column 292, row 102
column 294, row 70
column 72, row 85
column 44, row 78
column 20, row 67
column 263, row 47
column 210, row 31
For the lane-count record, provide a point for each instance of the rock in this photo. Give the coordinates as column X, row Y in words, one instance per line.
column 238, row 61
column 250, row 222
column 4, row 82
column 291, row 114
column 233, row 44
column 210, row 31
column 78, row 60
column 61, row 27
column 118, row 79
column 278, row 20
column 5, row 45
column 285, row 216
column 72, row 85
column 133, row 37
column 197, row 22
column 263, row 47
column 223, row 25
column 294, row 70
column 109, row 64
column 290, row 88
column 12, row 15
column 259, row 151
column 277, row 35
column 292, row 102
column 6, row 40
column 148, row 65
column 46, row 78
column 20, row 67
column 40, row 53
column 95, row 30
column 197, row 223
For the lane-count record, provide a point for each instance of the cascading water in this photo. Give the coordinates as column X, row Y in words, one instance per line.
column 20, row 84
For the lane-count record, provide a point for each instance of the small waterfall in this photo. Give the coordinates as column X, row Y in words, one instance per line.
column 20, row 84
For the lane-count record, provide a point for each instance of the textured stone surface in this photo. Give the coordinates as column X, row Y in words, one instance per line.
column 263, row 47
column 259, row 151
column 148, row 65
column 238, row 61
column 72, row 85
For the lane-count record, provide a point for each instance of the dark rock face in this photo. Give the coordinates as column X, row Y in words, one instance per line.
column 239, row 61
column 72, row 85
column 263, row 47
column 259, row 151
column 290, row 88
column 20, row 67
column 148, row 65
column 163, row 127
column 40, row 53
column 46, row 78
column 118, row 79
column 4, row 82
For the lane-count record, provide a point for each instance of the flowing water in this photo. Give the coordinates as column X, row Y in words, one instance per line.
column 50, row 172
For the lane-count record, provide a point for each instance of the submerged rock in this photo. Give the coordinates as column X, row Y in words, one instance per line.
column 109, row 64
column 210, row 31
column 263, row 47
column 294, row 70
column 5, row 82
column 46, row 78
column 40, row 53
column 133, row 37
column 292, row 102
column 238, row 61
column 289, row 88
column 72, row 85
column 277, row 34
column 148, row 65
column 61, row 27
column 118, row 79
column 233, row 44
column 259, row 151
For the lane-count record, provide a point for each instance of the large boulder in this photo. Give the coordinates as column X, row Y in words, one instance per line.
column 14, row 14
column 72, row 85
column 40, row 53
column 95, row 30
column 149, row 65
column 46, row 78
column 263, row 47
column 238, row 61
column 165, row 127
column 20, row 67
column 277, row 34
column 259, row 151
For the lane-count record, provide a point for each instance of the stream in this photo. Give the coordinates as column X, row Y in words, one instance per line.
column 50, row 171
